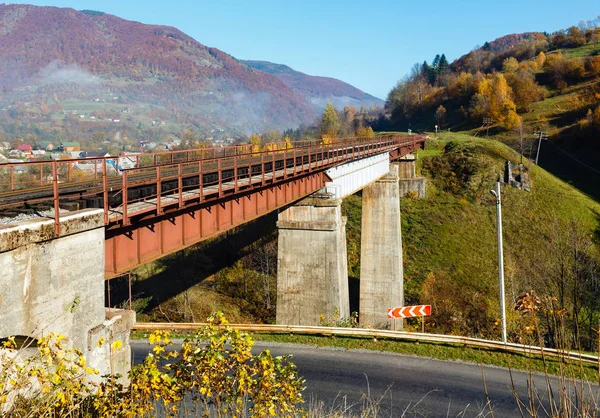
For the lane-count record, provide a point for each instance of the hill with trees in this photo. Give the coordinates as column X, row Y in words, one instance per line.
column 319, row 91
column 65, row 74
column 511, row 88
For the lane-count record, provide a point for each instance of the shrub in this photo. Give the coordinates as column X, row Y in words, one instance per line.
column 214, row 369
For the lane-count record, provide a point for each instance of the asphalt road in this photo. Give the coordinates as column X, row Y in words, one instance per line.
column 402, row 385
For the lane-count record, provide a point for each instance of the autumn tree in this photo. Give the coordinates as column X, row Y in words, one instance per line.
column 288, row 142
column 271, row 135
column 561, row 70
column 407, row 98
column 541, row 59
column 570, row 276
column 349, row 121
column 525, row 89
column 461, row 86
column 592, row 65
column 493, row 99
column 510, row 65
column 254, row 140
column 365, row 132
column 330, row 122
column 440, row 116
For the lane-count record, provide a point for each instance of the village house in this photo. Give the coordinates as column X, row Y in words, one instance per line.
column 44, row 145
column 25, row 148
column 70, row 146
column 38, row 153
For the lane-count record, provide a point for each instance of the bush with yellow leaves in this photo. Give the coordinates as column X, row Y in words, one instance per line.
column 52, row 382
column 215, row 370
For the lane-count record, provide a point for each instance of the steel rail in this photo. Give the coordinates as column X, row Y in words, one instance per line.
column 375, row 333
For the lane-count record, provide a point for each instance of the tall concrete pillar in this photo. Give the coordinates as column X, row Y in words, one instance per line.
column 381, row 272
column 312, row 264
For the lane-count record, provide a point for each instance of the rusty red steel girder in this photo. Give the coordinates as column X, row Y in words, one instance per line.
column 169, row 201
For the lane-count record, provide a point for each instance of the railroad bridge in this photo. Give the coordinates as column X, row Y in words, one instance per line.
column 108, row 215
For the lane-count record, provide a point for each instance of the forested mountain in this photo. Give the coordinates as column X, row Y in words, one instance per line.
column 318, row 90
column 61, row 61
column 513, row 87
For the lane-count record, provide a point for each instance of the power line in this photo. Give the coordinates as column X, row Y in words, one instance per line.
column 575, row 159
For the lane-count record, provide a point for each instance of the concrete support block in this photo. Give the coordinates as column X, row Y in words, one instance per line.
column 381, row 272
column 102, row 354
column 416, row 185
column 53, row 284
column 312, row 266
column 407, row 166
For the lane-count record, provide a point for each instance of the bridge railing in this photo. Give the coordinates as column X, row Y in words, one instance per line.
column 120, row 182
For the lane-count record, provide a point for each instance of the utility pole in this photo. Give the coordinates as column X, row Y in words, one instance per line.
column 487, row 122
column 542, row 136
column 496, row 193
column 521, row 128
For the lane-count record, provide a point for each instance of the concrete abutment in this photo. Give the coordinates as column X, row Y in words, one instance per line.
column 56, row 284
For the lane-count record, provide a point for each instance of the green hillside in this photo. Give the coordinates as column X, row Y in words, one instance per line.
column 509, row 90
column 551, row 237
column 449, row 239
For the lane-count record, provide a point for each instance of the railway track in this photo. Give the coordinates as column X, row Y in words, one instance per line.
column 172, row 174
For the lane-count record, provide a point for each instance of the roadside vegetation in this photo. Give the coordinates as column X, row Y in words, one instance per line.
column 214, row 373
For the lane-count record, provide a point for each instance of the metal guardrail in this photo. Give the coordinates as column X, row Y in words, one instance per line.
column 375, row 333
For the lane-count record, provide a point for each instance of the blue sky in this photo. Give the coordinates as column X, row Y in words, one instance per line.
column 368, row 44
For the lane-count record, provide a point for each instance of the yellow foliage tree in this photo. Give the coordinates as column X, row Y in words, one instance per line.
column 365, row 132
column 215, row 369
column 326, row 139
column 510, row 65
column 511, row 119
column 255, row 142
column 288, row 142
column 330, row 122
column 541, row 59
column 495, row 100
column 462, row 85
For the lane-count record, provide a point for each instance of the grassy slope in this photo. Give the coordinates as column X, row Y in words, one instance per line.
column 453, row 235
column 558, row 114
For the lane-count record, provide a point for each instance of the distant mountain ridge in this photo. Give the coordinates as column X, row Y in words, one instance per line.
column 318, row 90
column 152, row 64
column 50, row 55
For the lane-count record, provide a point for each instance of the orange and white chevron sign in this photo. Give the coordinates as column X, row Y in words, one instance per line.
column 409, row 311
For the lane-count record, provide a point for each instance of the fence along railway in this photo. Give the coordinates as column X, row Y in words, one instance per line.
column 156, row 204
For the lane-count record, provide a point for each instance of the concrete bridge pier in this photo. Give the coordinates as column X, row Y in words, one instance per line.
column 312, row 266
column 381, row 271
column 408, row 180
